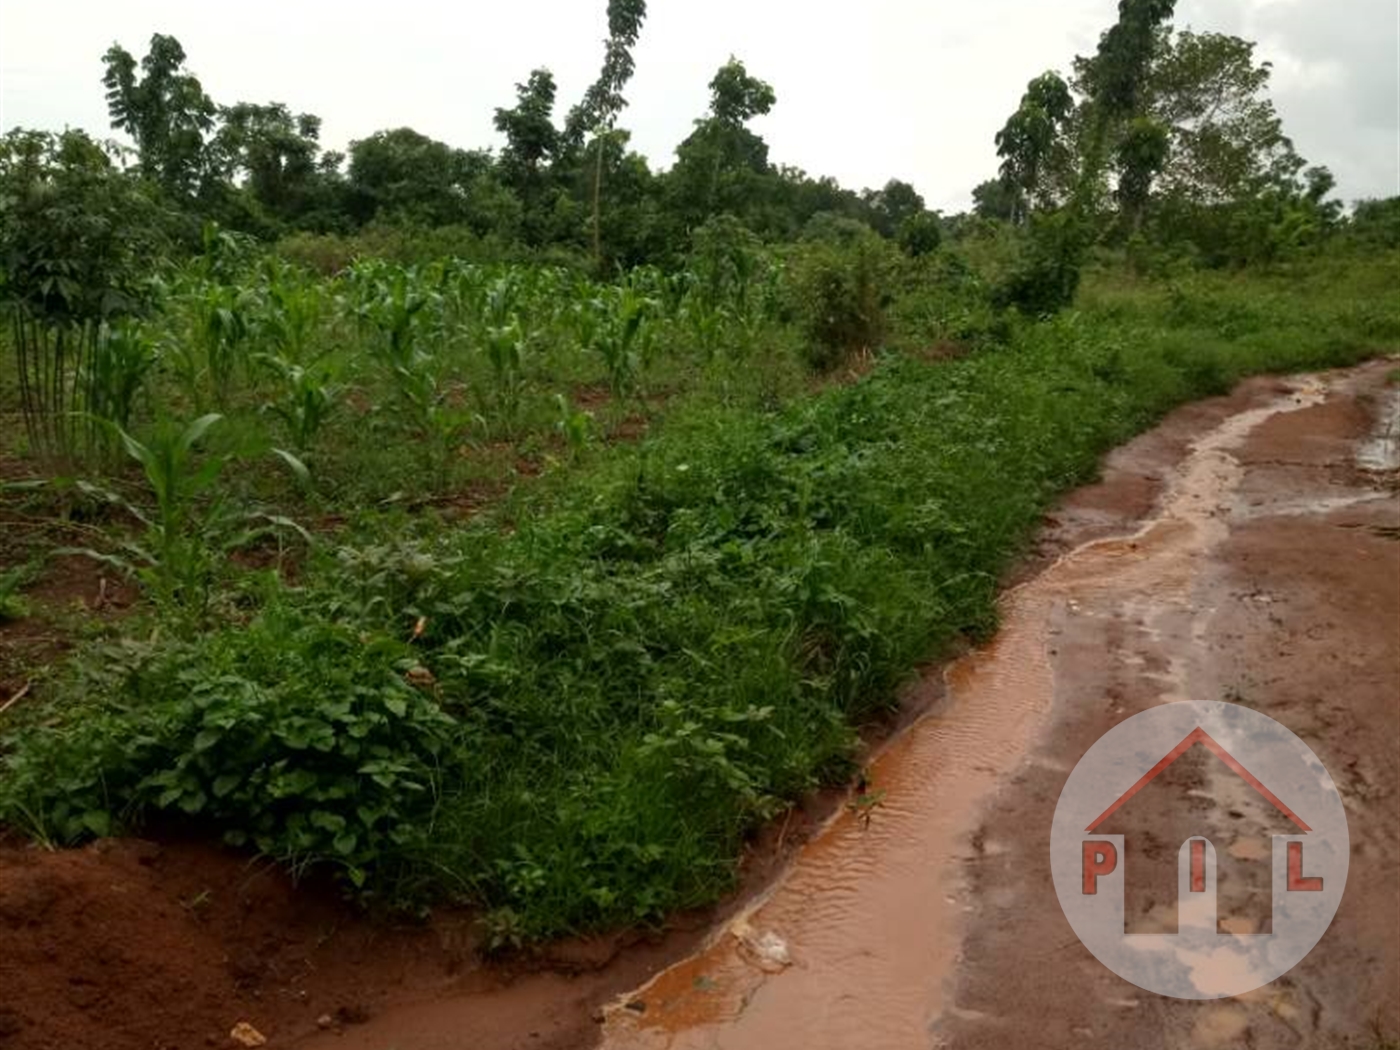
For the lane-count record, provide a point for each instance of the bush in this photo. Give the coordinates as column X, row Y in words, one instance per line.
column 1047, row 277
column 840, row 295
column 921, row 234
column 305, row 740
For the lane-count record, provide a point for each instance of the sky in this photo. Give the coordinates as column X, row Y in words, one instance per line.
column 867, row 90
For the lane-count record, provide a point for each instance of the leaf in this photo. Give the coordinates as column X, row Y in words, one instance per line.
column 98, row 821
column 345, row 843
column 197, row 430
column 294, row 462
column 327, row 821
column 225, row 783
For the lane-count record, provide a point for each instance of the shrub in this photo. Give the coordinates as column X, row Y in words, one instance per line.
column 305, row 740
column 840, row 296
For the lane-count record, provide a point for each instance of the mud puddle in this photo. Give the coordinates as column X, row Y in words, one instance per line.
column 858, row 943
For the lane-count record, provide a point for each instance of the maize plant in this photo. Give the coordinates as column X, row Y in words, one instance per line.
column 624, row 340
column 306, row 398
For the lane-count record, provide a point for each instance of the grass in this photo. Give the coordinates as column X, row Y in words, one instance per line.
column 571, row 710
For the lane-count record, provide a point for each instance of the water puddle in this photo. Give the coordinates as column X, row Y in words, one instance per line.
column 853, row 945
column 1381, row 451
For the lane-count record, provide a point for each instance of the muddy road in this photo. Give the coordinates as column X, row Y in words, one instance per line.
column 1248, row 550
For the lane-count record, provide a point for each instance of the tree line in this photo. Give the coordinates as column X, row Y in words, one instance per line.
column 572, row 183
column 1164, row 140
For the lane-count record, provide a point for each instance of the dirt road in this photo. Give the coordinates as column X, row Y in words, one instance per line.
column 1248, row 550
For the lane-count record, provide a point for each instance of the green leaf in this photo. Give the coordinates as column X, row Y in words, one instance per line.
column 197, row 430
column 326, row 821
column 294, row 462
column 98, row 821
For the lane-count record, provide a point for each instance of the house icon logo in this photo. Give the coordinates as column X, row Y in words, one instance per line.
column 1199, row 850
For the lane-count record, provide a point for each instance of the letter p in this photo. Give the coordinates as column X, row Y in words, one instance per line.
column 1100, row 858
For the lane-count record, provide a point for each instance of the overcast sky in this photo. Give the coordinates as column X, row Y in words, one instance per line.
column 867, row 89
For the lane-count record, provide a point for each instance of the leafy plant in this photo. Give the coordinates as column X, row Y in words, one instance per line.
column 841, row 294
column 624, row 340
column 13, row 605
column 307, row 398
column 74, row 236
column 116, row 373
column 574, row 425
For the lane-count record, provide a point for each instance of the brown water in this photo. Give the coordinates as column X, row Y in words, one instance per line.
column 854, row 944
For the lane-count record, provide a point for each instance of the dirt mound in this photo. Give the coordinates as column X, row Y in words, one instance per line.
column 127, row 945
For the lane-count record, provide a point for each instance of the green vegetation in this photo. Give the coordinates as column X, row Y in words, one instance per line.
column 526, row 529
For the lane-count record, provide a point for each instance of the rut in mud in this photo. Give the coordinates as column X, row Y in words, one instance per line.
column 934, row 922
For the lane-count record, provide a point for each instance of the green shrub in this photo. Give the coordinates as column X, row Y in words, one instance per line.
column 304, row 740
column 840, row 294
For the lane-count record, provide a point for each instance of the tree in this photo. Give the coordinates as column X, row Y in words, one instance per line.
column 1049, row 276
column 1376, row 222
column 1029, row 138
column 275, row 151
column 720, row 166
column 531, row 138
column 920, row 234
column 994, row 199
column 1226, row 139
column 1141, row 153
column 531, row 142
column 603, row 100
column 1115, row 81
column 405, row 175
column 165, row 110
column 891, row 207
column 736, row 98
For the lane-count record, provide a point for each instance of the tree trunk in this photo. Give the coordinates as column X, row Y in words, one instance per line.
column 598, row 210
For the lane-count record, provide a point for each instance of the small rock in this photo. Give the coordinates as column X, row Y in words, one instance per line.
column 245, row 1034
column 768, row 950
column 325, row 1021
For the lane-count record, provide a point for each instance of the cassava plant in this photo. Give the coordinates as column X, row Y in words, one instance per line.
column 74, row 234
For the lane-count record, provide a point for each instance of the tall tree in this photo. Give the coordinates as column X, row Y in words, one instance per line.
column 994, row 199
column 164, row 109
column 1141, row 153
column 276, row 151
column 603, row 100
column 1226, row 138
column 892, row 206
column 1030, row 137
column 720, row 165
column 532, row 141
column 1115, row 80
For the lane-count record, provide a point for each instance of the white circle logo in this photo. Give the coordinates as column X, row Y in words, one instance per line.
column 1199, row 849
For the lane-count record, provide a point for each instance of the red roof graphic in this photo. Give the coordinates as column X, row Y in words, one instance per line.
column 1199, row 736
